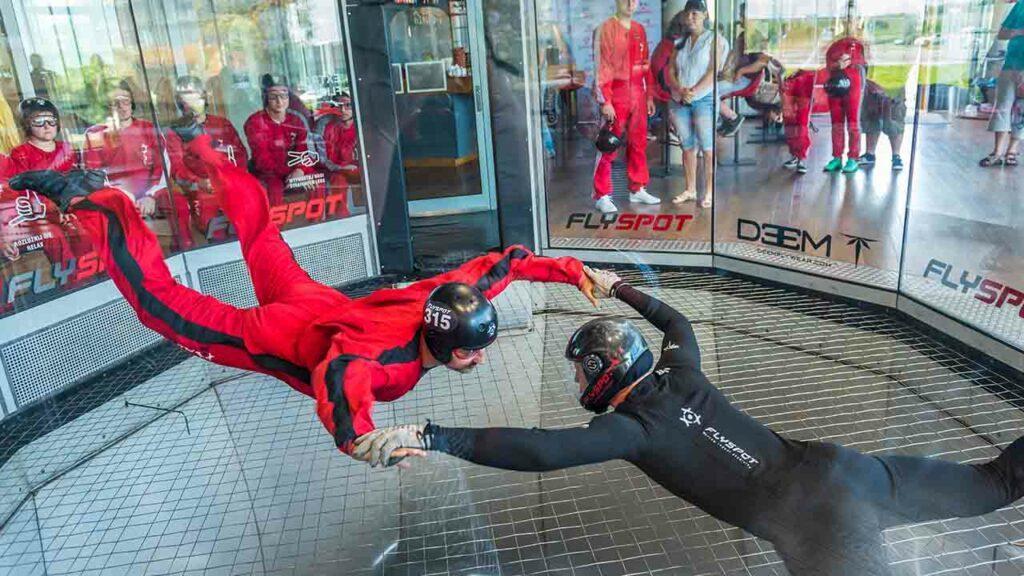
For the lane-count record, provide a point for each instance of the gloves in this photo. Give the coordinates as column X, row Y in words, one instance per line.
column 61, row 188
column 604, row 281
column 187, row 128
column 375, row 447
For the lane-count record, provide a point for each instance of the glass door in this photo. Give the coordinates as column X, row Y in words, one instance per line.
column 439, row 71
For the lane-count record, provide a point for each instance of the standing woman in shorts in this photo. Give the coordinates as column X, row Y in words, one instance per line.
column 1012, row 30
column 693, row 116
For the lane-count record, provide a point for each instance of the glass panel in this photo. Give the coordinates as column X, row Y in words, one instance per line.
column 91, row 108
column 814, row 178
column 964, row 230
column 622, row 199
column 271, row 86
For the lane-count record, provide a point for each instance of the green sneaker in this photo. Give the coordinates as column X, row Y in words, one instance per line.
column 834, row 165
column 851, row 166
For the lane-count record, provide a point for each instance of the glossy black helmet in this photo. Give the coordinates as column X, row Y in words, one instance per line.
column 613, row 355
column 838, row 84
column 607, row 141
column 458, row 315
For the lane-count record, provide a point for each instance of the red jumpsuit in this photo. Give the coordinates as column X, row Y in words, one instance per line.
column 623, row 75
column 346, row 353
column 340, row 159
column 797, row 90
column 271, row 144
column 131, row 157
column 38, row 218
column 845, row 111
column 190, row 172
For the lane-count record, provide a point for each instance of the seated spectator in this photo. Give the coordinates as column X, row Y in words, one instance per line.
column 126, row 148
column 187, row 169
column 279, row 139
column 336, row 128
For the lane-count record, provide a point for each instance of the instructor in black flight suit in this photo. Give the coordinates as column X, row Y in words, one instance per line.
column 823, row 506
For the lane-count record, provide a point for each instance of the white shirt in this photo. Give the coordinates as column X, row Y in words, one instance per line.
column 694, row 58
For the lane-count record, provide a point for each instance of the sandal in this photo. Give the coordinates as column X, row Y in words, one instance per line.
column 991, row 160
column 1010, row 159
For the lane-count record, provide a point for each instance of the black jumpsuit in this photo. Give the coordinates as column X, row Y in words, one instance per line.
column 823, row 506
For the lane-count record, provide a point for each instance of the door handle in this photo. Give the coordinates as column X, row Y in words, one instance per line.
column 478, row 95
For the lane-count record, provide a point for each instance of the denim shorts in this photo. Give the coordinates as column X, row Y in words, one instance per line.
column 695, row 124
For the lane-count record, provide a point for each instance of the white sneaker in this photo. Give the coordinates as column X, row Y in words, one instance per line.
column 686, row 196
column 706, row 203
column 642, row 197
column 605, row 205
column 792, row 163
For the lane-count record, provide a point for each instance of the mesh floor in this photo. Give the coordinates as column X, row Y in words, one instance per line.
column 252, row 484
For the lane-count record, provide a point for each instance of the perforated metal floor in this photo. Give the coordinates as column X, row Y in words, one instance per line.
column 252, row 484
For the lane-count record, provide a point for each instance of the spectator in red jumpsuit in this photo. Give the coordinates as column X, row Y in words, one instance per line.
column 188, row 170
column 126, row 148
column 279, row 139
column 28, row 221
column 337, row 141
column 623, row 65
column 797, row 90
column 846, row 56
column 345, row 353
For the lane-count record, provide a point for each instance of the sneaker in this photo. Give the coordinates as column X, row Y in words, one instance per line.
column 792, row 163
column 706, row 203
column 605, row 205
column 686, row 196
column 851, row 166
column 642, row 197
column 897, row 162
column 866, row 159
column 801, row 168
column 731, row 127
column 834, row 165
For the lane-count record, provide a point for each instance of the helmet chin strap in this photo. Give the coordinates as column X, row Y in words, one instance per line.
column 618, row 398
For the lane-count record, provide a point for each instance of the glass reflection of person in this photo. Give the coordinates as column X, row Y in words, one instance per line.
column 279, row 140
column 623, row 72
column 694, row 107
column 43, row 80
column 187, row 169
column 337, row 144
column 883, row 112
column 1012, row 30
column 126, row 148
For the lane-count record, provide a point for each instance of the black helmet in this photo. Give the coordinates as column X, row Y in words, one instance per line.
column 838, row 84
column 29, row 107
column 458, row 315
column 607, row 141
column 270, row 80
column 613, row 355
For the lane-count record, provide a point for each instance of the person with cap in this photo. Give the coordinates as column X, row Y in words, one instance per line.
column 337, row 142
column 345, row 353
column 694, row 110
column 823, row 506
column 279, row 139
column 846, row 64
column 188, row 169
column 623, row 78
column 127, row 149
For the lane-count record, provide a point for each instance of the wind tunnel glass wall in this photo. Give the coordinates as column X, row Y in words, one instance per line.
column 621, row 200
column 816, row 176
column 269, row 83
column 964, row 228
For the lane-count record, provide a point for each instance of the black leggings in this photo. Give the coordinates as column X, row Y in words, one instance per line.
column 830, row 519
